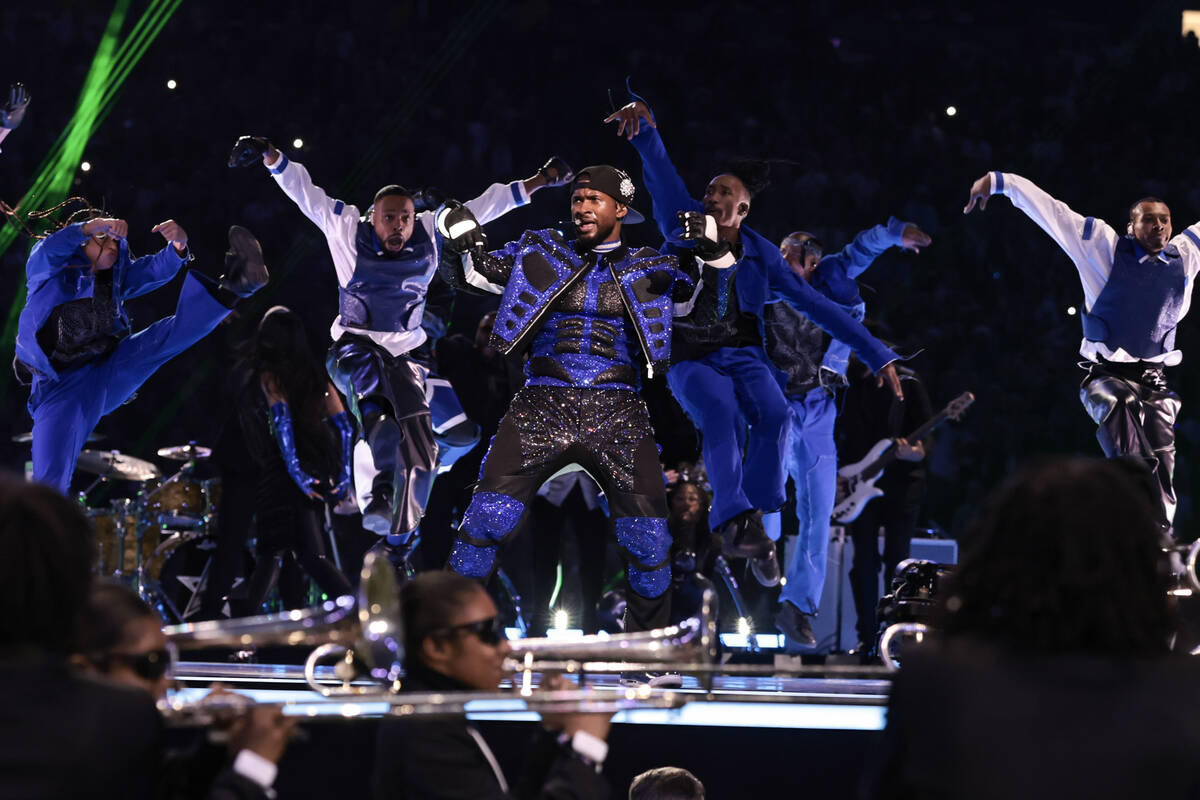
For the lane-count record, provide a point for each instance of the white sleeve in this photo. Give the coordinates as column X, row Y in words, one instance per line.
column 497, row 200
column 1089, row 242
column 337, row 220
column 1188, row 243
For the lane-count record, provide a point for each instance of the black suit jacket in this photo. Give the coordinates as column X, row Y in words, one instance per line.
column 969, row 720
column 441, row 760
column 62, row 735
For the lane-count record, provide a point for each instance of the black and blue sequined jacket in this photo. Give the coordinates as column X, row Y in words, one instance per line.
column 535, row 277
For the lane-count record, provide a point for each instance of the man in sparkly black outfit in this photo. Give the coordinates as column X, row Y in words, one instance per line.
column 584, row 308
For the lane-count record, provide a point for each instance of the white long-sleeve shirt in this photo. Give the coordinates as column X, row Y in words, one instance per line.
column 339, row 222
column 1091, row 244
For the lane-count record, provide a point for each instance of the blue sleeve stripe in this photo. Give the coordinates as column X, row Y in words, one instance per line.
column 338, row 206
column 997, row 182
column 1195, row 239
column 516, row 190
column 281, row 166
column 1088, row 224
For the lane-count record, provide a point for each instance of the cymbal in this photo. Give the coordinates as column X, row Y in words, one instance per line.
column 27, row 437
column 111, row 464
column 185, row 452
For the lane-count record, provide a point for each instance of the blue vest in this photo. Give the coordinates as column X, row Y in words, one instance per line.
column 1139, row 308
column 387, row 293
column 546, row 266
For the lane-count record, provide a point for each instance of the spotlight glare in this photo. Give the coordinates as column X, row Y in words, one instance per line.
column 561, row 619
column 1070, row 311
column 951, row 111
column 171, row 84
column 86, row 166
column 297, row 142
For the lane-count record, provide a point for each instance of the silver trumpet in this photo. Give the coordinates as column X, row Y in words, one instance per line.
column 364, row 632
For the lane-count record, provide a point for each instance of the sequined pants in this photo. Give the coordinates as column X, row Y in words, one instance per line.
column 608, row 433
column 1135, row 412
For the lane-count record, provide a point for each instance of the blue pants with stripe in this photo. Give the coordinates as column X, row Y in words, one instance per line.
column 66, row 409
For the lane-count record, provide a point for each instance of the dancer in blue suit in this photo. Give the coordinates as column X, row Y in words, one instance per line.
column 811, row 368
column 720, row 373
column 74, row 339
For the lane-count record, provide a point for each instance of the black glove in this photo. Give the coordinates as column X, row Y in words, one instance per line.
column 459, row 228
column 556, row 172
column 710, row 248
column 248, row 150
column 13, row 111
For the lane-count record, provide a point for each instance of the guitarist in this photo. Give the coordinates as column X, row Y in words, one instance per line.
column 869, row 415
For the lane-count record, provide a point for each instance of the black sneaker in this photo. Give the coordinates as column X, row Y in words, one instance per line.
column 765, row 568
column 377, row 516
column 796, row 625
column 744, row 536
column 245, row 270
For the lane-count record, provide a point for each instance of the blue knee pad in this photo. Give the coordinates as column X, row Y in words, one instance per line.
column 646, row 544
column 490, row 518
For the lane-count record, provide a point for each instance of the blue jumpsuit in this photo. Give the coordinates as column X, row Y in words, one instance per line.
column 808, row 378
column 721, row 388
column 67, row 400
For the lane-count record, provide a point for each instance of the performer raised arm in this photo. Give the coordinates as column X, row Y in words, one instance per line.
column 13, row 110
column 811, row 367
column 1136, row 290
column 385, row 260
column 584, row 308
column 721, row 373
column 73, row 336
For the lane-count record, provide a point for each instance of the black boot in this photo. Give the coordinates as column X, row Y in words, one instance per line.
column 383, row 436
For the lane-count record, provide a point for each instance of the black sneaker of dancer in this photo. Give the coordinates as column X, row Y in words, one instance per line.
column 744, row 536
column 765, row 568
column 796, row 625
column 245, row 270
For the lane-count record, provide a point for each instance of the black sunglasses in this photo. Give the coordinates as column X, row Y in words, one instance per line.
column 149, row 666
column 490, row 631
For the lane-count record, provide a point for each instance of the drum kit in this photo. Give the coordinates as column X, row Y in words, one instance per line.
column 160, row 540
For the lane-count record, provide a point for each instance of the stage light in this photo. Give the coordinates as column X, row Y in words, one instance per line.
column 743, row 626
column 951, row 111
column 171, row 84
column 86, row 166
column 1070, row 311
column 783, row 580
column 561, row 619
column 297, row 143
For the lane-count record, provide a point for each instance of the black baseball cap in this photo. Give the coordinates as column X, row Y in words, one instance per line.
column 614, row 182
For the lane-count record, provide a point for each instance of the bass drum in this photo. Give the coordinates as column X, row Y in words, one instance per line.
column 115, row 540
column 186, row 566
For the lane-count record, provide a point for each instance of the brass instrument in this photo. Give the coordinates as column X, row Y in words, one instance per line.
column 365, row 631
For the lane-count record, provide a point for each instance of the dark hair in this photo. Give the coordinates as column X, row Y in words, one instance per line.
column 281, row 349
column 666, row 783
column 429, row 603
column 754, row 173
column 1065, row 556
column 45, row 574
column 1133, row 208
column 110, row 608
column 46, row 218
column 392, row 189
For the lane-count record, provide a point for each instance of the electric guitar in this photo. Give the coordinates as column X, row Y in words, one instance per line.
column 860, row 476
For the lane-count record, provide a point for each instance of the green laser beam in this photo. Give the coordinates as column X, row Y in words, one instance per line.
column 111, row 65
